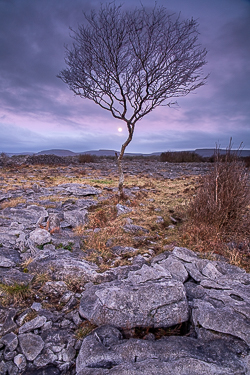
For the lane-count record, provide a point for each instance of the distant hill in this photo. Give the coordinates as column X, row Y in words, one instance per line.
column 204, row 152
column 57, row 152
column 18, row 153
column 207, row 152
column 100, row 152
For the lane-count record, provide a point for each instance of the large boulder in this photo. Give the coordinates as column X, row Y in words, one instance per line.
column 105, row 352
column 63, row 265
column 147, row 298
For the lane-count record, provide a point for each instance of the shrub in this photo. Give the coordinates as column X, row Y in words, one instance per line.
column 224, row 197
column 86, row 158
column 180, row 157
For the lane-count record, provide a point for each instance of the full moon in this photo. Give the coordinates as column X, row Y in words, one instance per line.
column 120, row 130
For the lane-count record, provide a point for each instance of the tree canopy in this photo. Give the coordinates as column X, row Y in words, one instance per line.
column 130, row 62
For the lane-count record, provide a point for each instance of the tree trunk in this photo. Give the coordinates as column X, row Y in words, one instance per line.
column 119, row 160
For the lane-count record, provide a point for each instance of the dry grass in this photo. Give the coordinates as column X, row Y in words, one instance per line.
column 150, row 199
column 12, row 202
column 219, row 215
column 84, row 329
column 14, row 294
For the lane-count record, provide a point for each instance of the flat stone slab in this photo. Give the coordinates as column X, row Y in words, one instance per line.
column 64, row 265
column 104, row 352
column 125, row 304
column 31, row 345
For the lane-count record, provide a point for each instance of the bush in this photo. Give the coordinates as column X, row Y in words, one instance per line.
column 180, row 157
column 86, row 158
column 224, row 197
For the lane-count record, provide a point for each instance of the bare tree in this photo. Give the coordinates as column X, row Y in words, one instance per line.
column 132, row 62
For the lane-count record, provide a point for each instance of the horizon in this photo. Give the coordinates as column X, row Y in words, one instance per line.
column 42, row 152
column 37, row 110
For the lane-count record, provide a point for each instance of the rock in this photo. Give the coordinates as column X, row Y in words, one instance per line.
column 37, row 306
column 55, row 288
column 122, row 209
column 123, row 304
column 175, row 267
column 20, row 361
column 76, row 217
column 40, row 236
column 26, row 216
column 48, row 370
column 5, row 262
column 171, row 355
column 68, row 354
column 14, row 276
column 10, row 341
column 147, row 273
column 3, row 368
column 37, row 322
column 9, row 324
column 10, row 254
column 31, row 345
column 7, row 238
column 45, row 358
column 123, row 249
column 80, row 190
column 131, row 228
column 184, row 254
column 64, row 264
column 210, row 317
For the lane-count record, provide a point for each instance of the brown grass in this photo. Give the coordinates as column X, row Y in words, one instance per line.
column 197, row 227
column 219, row 215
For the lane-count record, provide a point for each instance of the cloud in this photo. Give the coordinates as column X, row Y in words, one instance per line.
column 37, row 109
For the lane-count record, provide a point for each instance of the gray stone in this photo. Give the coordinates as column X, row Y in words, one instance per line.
column 11, row 368
column 147, row 273
column 151, row 304
column 222, row 319
column 37, row 306
column 3, row 368
column 80, row 189
column 5, row 262
column 211, row 271
column 48, row 370
column 175, row 267
column 64, row 264
column 31, row 345
column 171, row 355
column 131, row 228
column 20, row 361
column 55, row 288
column 11, row 254
column 26, row 216
column 10, row 341
column 37, row 322
column 184, row 254
column 14, row 276
column 118, row 250
column 45, row 358
column 122, row 209
column 40, row 236
column 76, row 217
column 9, row 324
column 68, row 354
column 7, row 237
column 9, row 354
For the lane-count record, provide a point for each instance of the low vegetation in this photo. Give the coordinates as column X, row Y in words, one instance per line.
column 181, row 157
column 209, row 214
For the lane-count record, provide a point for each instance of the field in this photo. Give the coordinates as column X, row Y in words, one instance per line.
column 159, row 205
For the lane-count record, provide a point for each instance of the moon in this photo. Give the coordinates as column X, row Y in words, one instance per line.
column 119, row 130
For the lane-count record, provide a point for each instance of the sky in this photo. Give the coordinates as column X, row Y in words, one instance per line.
column 39, row 112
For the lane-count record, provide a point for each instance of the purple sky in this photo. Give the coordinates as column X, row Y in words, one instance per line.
column 38, row 111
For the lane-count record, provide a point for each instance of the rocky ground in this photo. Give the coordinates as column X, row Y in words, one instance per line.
column 91, row 285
